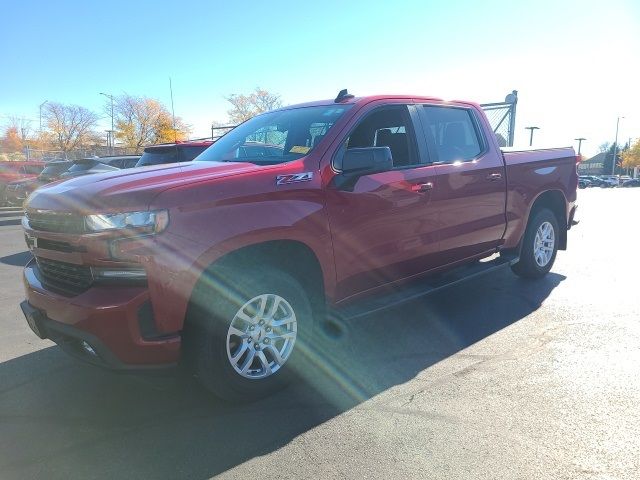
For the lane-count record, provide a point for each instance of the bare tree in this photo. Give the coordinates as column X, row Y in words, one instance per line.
column 247, row 106
column 142, row 121
column 21, row 125
column 70, row 126
column 604, row 147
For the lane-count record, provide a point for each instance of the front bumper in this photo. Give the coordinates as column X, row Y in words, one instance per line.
column 107, row 318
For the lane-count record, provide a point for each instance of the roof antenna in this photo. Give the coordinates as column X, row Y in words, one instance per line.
column 173, row 114
column 342, row 96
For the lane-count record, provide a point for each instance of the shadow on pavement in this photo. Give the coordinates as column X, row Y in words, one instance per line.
column 17, row 259
column 61, row 419
column 11, row 221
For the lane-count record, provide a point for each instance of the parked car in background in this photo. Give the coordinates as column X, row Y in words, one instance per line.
column 623, row 178
column 594, row 180
column 173, row 152
column 88, row 166
column 227, row 263
column 610, row 181
column 12, row 171
column 583, row 182
column 634, row 182
column 17, row 191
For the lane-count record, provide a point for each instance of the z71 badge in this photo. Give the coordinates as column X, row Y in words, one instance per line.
column 294, row 178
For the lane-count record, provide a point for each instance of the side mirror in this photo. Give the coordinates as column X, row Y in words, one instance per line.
column 357, row 162
column 365, row 161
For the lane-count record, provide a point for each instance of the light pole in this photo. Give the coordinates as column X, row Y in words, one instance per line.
column 111, row 138
column 42, row 105
column 615, row 147
column 531, row 135
column 580, row 140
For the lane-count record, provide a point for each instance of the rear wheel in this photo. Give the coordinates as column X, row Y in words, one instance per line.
column 540, row 245
column 247, row 332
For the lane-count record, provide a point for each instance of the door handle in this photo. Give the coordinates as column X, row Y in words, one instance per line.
column 422, row 187
column 492, row 177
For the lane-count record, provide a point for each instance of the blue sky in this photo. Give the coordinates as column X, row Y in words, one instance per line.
column 572, row 62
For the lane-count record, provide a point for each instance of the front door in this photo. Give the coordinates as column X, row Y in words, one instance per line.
column 384, row 226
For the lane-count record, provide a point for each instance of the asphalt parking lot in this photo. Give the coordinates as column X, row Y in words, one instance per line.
column 495, row 378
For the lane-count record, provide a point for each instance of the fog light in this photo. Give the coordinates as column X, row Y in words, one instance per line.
column 89, row 349
column 119, row 274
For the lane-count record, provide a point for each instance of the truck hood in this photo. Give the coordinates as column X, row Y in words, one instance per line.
column 127, row 189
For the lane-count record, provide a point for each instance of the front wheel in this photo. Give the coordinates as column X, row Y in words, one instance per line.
column 247, row 332
column 540, row 245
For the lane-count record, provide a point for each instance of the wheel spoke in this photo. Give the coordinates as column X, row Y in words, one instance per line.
column 283, row 321
column 277, row 335
column 276, row 354
column 247, row 363
column 244, row 317
column 237, row 332
column 243, row 348
column 274, row 307
column 263, row 305
column 265, row 363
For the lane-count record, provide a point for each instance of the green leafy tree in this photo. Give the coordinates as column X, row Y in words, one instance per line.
column 630, row 157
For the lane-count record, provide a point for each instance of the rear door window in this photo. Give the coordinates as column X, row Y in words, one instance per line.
column 453, row 132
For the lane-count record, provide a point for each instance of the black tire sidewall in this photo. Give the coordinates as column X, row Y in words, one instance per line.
column 214, row 315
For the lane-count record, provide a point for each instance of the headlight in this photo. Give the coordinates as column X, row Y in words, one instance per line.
column 149, row 222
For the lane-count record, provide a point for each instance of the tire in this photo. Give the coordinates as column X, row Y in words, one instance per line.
column 533, row 262
column 230, row 296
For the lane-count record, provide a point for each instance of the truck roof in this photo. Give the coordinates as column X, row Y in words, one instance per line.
column 182, row 143
column 359, row 101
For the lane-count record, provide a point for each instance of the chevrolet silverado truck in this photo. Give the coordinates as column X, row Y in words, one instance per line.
column 229, row 264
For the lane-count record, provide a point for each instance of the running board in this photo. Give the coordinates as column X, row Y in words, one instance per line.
column 421, row 288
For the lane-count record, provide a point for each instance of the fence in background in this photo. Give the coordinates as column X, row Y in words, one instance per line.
column 502, row 118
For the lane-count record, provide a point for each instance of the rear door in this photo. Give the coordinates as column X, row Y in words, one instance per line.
column 471, row 191
column 383, row 226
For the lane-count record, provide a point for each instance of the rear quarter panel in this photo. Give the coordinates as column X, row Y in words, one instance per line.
column 530, row 173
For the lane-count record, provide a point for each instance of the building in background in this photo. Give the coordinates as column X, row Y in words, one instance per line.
column 594, row 165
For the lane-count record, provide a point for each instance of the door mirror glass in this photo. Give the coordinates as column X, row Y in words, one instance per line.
column 366, row 160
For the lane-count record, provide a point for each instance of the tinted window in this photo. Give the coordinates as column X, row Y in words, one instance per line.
column 453, row 132
column 33, row 169
column 130, row 162
column 82, row 166
column 118, row 162
column 158, row 156
column 275, row 137
column 188, row 153
column 55, row 170
column 387, row 127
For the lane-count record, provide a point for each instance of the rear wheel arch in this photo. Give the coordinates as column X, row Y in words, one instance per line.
column 555, row 201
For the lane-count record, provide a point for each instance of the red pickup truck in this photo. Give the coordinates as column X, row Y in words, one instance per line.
column 228, row 264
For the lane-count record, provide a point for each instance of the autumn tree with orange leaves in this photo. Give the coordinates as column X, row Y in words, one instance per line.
column 142, row 121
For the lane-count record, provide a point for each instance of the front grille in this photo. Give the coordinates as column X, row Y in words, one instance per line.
column 65, row 277
column 56, row 222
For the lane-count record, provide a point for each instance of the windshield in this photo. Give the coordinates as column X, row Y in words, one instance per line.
column 275, row 137
column 54, row 170
column 82, row 166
